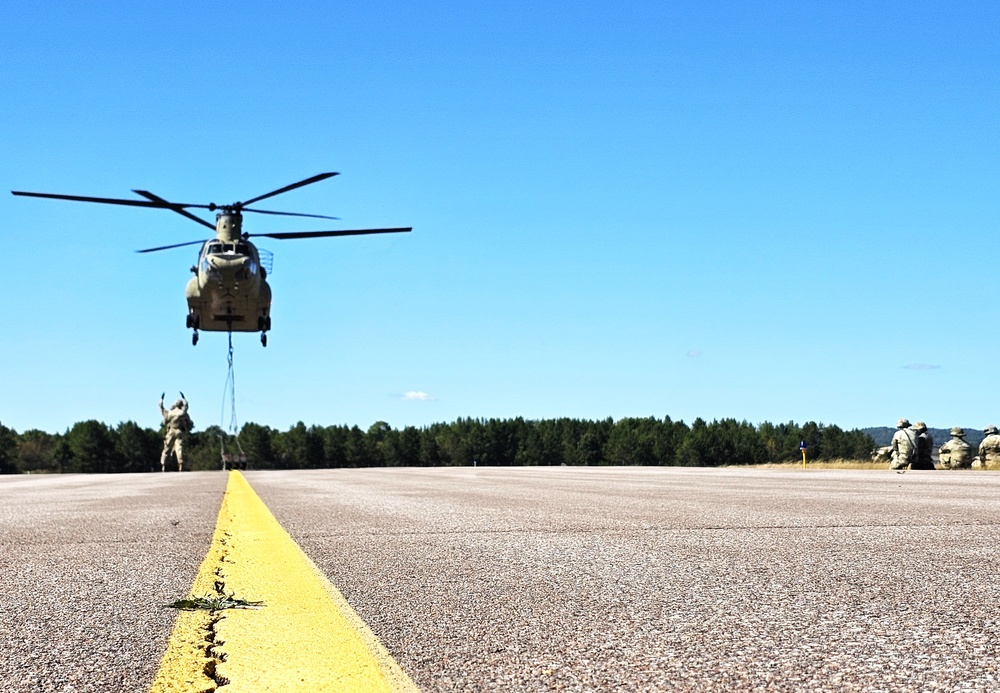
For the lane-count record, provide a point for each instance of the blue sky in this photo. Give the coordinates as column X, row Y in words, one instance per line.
column 770, row 211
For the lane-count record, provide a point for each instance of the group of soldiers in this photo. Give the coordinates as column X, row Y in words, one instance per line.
column 912, row 448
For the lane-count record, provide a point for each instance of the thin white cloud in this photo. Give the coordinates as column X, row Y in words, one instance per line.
column 415, row 396
column 921, row 366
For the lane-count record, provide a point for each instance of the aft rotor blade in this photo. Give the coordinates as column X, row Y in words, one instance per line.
column 175, row 207
column 308, row 181
column 81, row 198
column 289, row 214
column 168, row 247
column 322, row 234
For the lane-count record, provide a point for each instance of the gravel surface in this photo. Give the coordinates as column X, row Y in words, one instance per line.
column 654, row 579
column 87, row 565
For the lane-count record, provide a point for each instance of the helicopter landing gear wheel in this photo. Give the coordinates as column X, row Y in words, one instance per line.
column 194, row 339
column 263, row 340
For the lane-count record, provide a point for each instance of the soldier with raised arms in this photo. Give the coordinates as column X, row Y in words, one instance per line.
column 956, row 453
column 177, row 424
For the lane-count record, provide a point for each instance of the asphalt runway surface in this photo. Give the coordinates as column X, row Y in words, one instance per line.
column 540, row 578
column 87, row 563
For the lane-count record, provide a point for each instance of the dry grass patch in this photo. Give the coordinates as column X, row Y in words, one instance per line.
column 830, row 464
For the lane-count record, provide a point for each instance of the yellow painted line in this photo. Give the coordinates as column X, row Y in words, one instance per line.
column 304, row 638
column 184, row 664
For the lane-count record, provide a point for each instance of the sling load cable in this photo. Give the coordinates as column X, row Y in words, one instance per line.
column 233, row 427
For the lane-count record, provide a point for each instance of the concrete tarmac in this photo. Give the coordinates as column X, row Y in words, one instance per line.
column 539, row 578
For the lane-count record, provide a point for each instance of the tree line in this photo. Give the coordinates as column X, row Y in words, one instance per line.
column 95, row 447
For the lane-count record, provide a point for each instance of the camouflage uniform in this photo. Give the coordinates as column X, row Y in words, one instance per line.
column 882, row 455
column 956, row 453
column 925, row 447
column 904, row 444
column 178, row 423
column 989, row 449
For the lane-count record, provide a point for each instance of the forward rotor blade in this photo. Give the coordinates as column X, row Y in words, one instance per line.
column 289, row 214
column 168, row 247
column 307, row 181
column 177, row 208
column 81, row 198
column 322, row 234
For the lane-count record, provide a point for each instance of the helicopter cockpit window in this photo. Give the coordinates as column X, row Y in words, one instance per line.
column 215, row 248
column 242, row 249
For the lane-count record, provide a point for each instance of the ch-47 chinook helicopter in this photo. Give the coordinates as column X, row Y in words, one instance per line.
column 229, row 292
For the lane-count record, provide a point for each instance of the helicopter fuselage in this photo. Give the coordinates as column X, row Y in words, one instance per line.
column 229, row 292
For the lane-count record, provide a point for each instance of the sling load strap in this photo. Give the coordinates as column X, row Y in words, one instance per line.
column 229, row 390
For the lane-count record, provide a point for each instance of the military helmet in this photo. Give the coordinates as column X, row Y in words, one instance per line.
column 957, row 431
column 903, row 423
column 920, row 426
column 990, row 430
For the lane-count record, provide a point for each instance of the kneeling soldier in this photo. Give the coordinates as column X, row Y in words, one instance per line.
column 956, row 453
